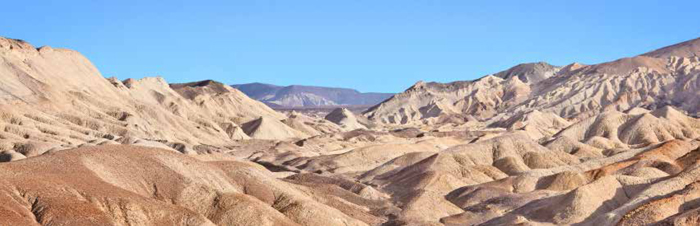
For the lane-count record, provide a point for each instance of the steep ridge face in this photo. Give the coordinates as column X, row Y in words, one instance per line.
column 482, row 98
column 309, row 96
column 58, row 99
column 684, row 49
column 668, row 76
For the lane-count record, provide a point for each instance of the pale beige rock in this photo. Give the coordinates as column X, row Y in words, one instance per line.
column 608, row 144
column 652, row 80
column 345, row 118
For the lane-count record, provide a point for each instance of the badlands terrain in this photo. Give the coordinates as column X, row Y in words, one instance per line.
column 615, row 143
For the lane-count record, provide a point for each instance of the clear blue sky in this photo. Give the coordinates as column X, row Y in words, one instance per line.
column 370, row 45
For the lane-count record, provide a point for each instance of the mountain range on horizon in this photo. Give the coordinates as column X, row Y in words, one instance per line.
column 300, row 96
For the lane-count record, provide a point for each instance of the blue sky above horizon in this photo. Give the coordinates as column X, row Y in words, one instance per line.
column 369, row 45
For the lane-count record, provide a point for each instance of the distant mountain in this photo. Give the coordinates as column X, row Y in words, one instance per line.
column 309, row 96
